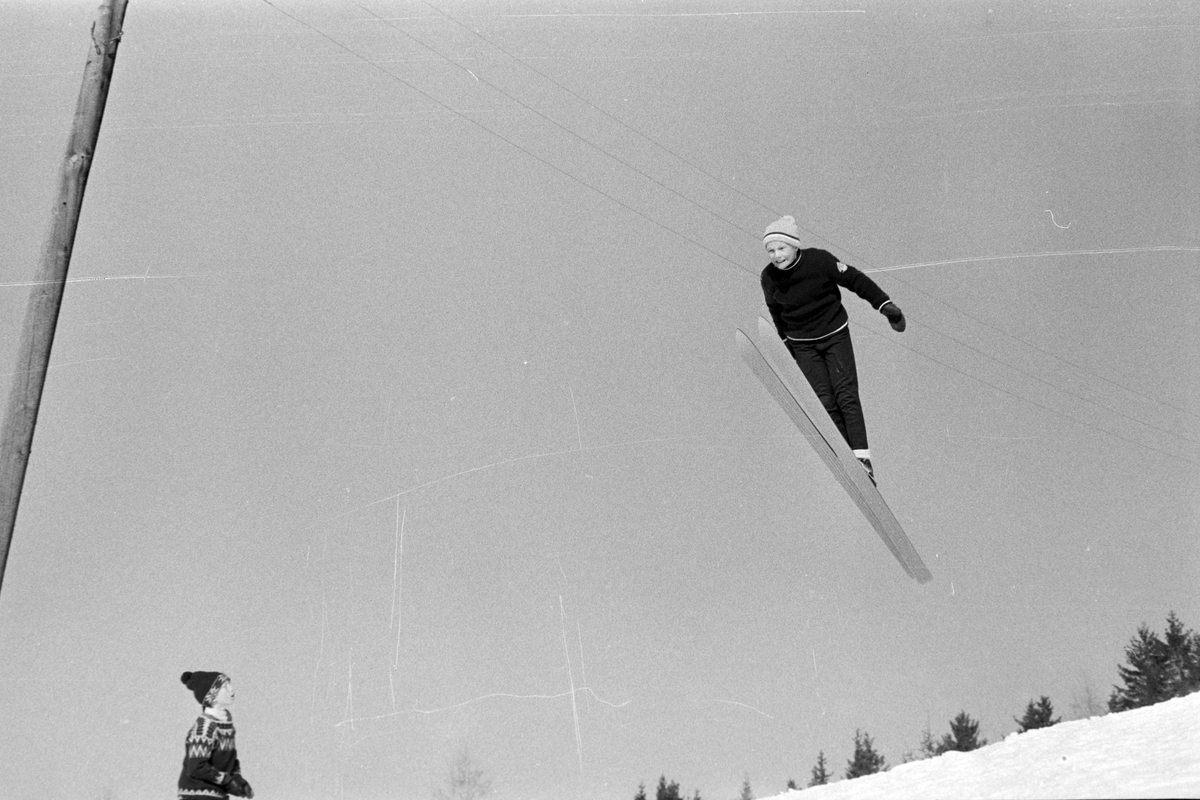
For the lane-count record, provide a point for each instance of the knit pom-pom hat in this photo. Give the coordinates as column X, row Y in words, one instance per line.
column 204, row 685
column 783, row 230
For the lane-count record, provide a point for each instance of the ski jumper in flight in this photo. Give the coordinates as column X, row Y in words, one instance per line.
column 802, row 289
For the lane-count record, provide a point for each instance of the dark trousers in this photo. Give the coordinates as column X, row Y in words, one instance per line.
column 829, row 366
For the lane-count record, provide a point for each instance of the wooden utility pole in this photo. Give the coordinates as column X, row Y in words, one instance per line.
column 45, row 298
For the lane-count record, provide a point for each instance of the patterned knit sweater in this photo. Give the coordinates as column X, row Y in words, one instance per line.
column 804, row 299
column 210, row 758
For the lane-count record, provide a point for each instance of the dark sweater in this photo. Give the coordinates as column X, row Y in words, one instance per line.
column 210, row 757
column 805, row 301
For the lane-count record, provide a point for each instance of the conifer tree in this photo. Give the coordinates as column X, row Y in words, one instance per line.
column 1037, row 715
column 1144, row 677
column 963, row 736
column 667, row 791
column 1183, row 657
column 930, row 747
column 1158, row 670
column 747, row 792
column 791, row 784
column 866, row 761
column 820, row 773
column 641, row 795
column 466, row 781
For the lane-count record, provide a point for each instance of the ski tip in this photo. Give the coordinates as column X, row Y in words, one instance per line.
column 916, row 569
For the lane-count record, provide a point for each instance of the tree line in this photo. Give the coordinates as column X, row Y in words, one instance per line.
column 1156, row 668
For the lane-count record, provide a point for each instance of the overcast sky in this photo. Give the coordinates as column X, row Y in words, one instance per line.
column 397, row 380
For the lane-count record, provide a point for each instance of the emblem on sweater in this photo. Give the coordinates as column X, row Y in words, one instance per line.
column 841, row 267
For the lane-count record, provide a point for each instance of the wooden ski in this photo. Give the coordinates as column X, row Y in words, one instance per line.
column 784, row 381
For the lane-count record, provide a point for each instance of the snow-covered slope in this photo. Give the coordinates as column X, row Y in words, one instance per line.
column 1148, row 752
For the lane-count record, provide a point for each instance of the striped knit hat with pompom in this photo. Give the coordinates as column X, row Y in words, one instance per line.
column 204, row 685
column 783, row 230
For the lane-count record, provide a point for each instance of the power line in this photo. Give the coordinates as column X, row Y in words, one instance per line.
column 631, row 129
column 1014, row 395
column 375, row 64
column 611, row 117
column 555, row 123
column 1066, row 361
column 766, row 207
column 507, row 140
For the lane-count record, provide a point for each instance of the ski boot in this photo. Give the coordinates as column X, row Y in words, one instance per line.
column 866, row 462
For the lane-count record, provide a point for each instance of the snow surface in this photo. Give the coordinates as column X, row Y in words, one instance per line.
column 1147, row 752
